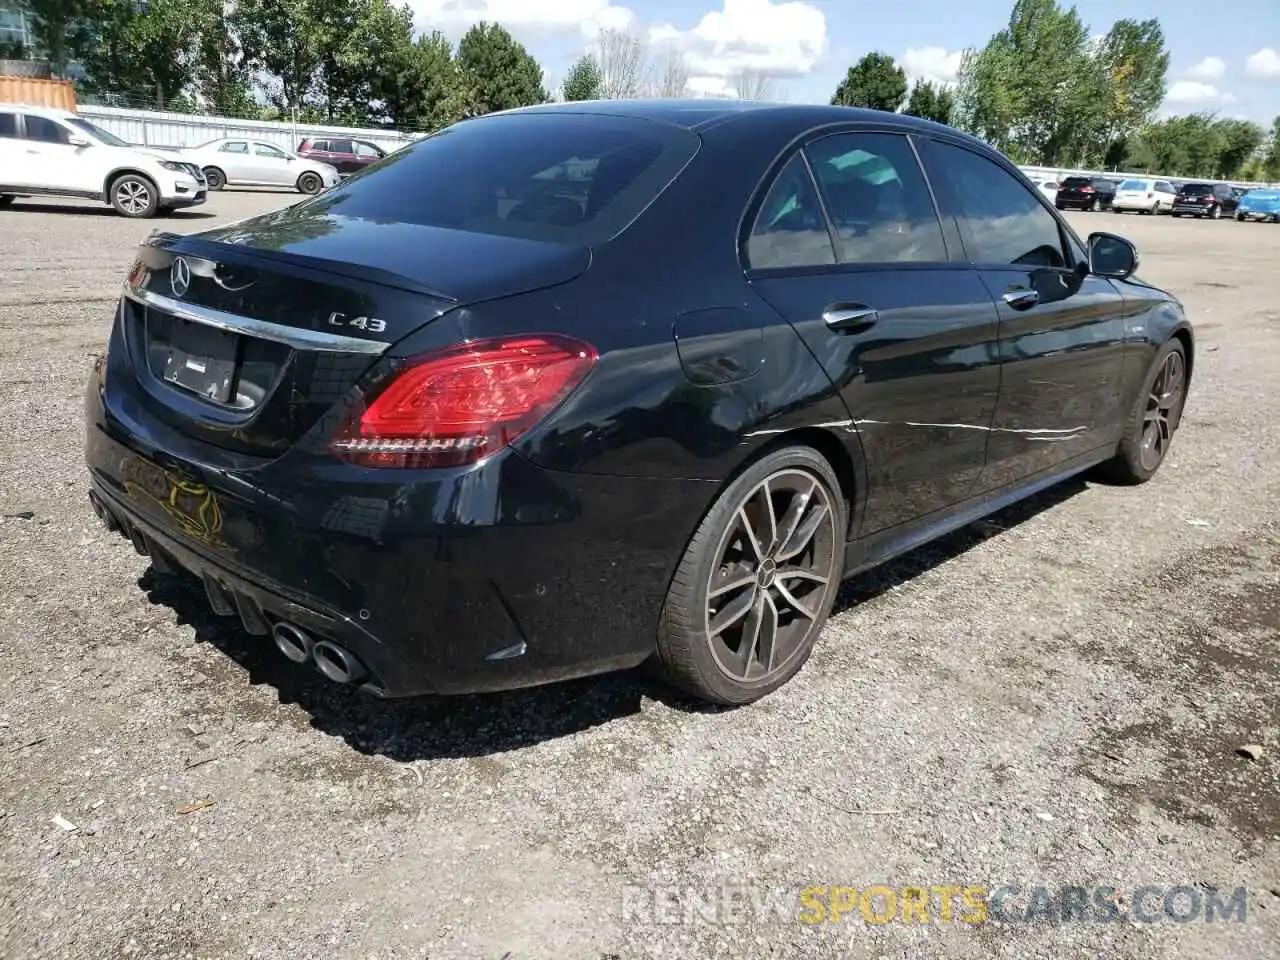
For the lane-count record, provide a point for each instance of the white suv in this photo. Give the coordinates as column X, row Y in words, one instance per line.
column 54, row 153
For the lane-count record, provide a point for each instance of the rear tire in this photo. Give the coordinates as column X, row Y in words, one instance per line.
column 134, row 196
column 757, row 580
column 1095, row 206
column 6, row 201
column 1215, row 212
column 215, row 178
column 310, row 183
column 1154, row 419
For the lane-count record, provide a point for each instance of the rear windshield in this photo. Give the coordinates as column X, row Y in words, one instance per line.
column 1198, row 189
column 566, row 177
column 1134, row 185
column 1077, row 182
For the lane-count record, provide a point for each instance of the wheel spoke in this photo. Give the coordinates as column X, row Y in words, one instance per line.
column 752, row 539
column 728, row 586
column 750, row 636
column 791, row 601
column 732, row 612
column 804, row 532
column 771, row 517
column 799, row 573
column 795, row 511
column 767, row 640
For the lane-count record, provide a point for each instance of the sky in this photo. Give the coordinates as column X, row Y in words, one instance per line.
column 1225, row 55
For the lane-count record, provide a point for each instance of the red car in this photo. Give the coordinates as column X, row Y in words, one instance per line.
column 345, row 154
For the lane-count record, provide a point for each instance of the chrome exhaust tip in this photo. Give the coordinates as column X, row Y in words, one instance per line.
column 337, row 663
column 292, row 642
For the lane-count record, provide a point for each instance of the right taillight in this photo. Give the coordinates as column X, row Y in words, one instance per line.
column 462, row 404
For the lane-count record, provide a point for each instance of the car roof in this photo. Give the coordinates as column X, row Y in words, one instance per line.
column 53, row 113
column 699, row 114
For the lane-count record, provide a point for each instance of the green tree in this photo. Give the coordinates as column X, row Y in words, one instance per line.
column 420, row 85
column 146, row 55
column 875, row 81
column 1135, row 66
column 584, row 81
column 1271, row 163
column 1239, row 140
column 221, row 79
column 930, row 102
column 283, row 39
column 499, row 70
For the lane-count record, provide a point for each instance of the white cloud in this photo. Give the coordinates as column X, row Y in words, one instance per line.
column 1192, row 92
column 1265, row 63
column 455, row 16
column 1210, row 68
column 781, row 39
column 935, row 64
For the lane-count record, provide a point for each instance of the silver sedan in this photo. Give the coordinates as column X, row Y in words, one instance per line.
column 235, row 161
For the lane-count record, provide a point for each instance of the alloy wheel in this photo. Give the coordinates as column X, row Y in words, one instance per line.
column 133, row 196
column 768, row 584
column 1164, row 404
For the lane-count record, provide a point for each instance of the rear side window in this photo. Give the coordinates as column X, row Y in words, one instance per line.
column 236, row 146
column 46, row 131
column 321, row 146
column 569, row 178
column 789, row 230
column 1005, row 222
column 9, row 125
column 879, row 204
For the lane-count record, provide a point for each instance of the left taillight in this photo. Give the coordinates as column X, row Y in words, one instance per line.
column 459, row 405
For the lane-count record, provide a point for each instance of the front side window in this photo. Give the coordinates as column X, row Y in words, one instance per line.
column 1006, row 223
column 267, row 150
column 790, row 230
column 566, row 178
column 340, row 146
column 95, row 131
column 235, row 146
column 367, row 150
column 877, row 197
column 46, row 130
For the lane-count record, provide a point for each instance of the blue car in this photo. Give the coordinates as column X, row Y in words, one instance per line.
column 1260, row 204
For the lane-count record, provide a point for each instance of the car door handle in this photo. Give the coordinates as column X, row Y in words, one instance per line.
column 848, row 317
column 1022, row 299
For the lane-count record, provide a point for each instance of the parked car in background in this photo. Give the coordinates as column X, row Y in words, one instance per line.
column 1140, row 195
column 1202, row 200
column 426, row 452
column 1085, row 193
column 342, row 153
column 1048, row 187
column 53, row 153
column 1261, row 203
column 236, row 161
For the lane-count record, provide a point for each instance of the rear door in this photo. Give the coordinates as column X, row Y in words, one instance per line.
column 341, row 155
column 848, row 246
column 236, row 162
column 1061, row 329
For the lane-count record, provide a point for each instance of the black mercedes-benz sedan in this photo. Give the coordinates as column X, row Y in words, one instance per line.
column 566, row 389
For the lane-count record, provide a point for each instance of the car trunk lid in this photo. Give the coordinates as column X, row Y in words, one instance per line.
column 245, row 335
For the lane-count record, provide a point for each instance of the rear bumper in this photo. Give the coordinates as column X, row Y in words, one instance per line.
column 1081, row 202
column 497, row 577
column 1134, row 203
column 1199, row 209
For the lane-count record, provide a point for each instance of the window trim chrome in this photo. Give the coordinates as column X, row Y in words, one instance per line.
column 296, row 337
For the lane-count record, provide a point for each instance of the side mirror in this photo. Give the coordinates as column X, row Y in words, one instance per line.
column 78, row 141
column 1112, row 256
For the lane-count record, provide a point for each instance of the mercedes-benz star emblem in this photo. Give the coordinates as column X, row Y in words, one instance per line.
column 180, row 277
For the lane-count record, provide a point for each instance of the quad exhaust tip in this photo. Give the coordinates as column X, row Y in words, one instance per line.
column 292, row 642
column 336, row 662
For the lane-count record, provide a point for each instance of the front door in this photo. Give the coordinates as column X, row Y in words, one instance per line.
column 272, row 165
column 858, row 261
column 1061, row 329
column 52, row 162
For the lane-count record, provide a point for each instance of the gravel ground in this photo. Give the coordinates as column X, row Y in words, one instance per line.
column 1053, row 698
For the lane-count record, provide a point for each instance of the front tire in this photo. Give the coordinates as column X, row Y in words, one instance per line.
column 310, row 183
column 1154, row 418
column 215, row 178
column 134, row 196
column 757, row 581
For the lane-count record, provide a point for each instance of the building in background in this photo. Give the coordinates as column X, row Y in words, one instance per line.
column 13, row 26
